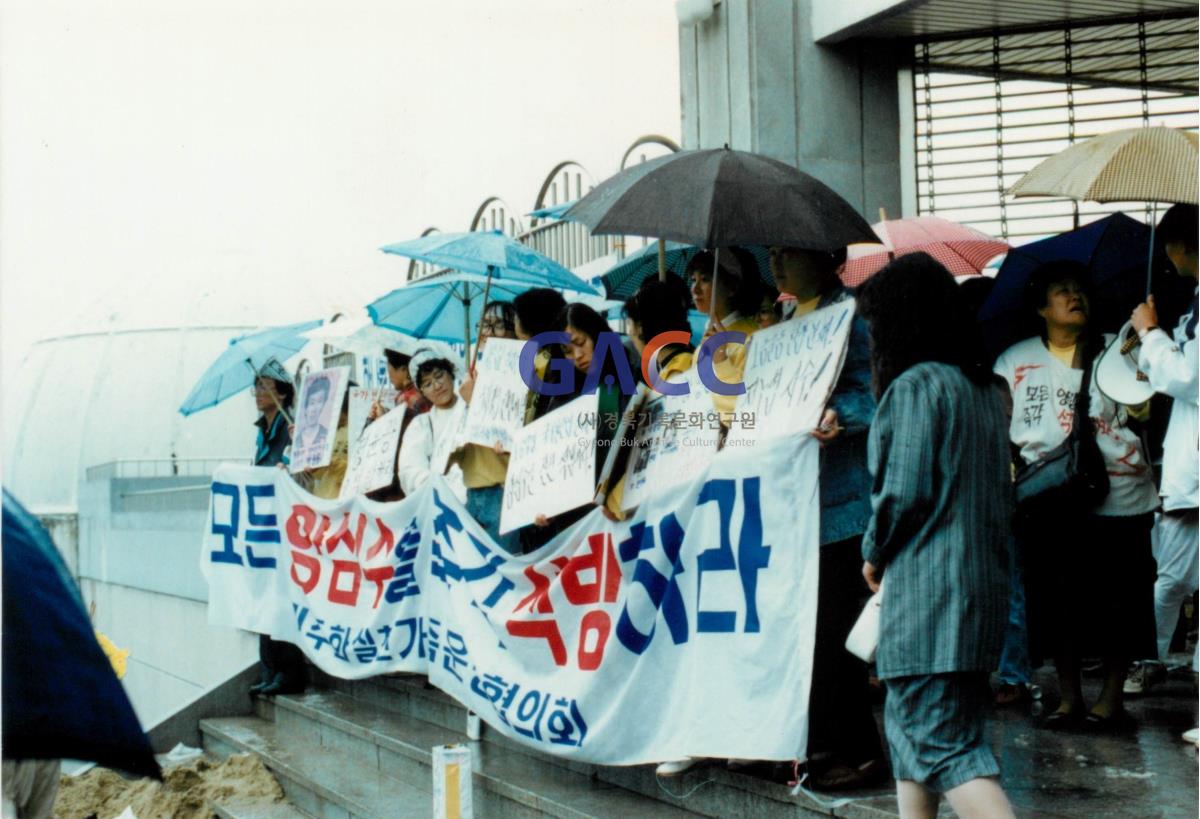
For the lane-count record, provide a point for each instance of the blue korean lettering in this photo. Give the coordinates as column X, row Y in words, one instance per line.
column 752, row 555
column 447, row 570
column 227, row 531
column 564, row 721
column 663, row 590
column 404, row 579
column 254, row 518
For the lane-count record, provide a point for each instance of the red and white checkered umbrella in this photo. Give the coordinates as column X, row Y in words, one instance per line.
column 961, row 249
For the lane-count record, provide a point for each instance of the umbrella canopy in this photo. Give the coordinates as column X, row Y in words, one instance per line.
column 624, row 278
column 61, row 696
column 721, row 197
column 1132, row 165
column 552, row 212
column 443, row 308
column 361, row 335
column 962, row 250
column 230, row 374
column 1114, row 251
column 490, row 253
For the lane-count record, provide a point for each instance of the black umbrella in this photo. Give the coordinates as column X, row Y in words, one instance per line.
column 721, row 197
column 61, row 697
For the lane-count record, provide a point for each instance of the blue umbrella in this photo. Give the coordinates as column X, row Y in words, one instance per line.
column 1114, row 251
column 237, row 367
column 553, row 211
column 493, row 255
column 61, row 696
column 443, row 308
column 490, row 253
column 624, row 278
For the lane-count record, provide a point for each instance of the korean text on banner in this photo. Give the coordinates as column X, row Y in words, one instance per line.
column 498, row 402
column 373, row 458
column 553, row 464
column 791, row 369
column 684, row 631
column 317, row 419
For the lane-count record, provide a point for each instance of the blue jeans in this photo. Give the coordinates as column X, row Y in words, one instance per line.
column 1014, row 657
column 484, row 505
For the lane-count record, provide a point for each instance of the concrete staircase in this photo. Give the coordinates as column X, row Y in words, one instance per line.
column 363, row 749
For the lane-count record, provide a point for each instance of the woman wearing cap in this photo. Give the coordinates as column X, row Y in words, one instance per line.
column 425, row 450
column 843, row 741
column 1089, row 571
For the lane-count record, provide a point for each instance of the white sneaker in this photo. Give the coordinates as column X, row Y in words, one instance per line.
column 675, row 766
column 1144, row 676
column 1192, row 736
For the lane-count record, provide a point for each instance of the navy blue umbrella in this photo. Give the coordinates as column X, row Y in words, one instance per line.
column 61, row 698
column 1114, row 251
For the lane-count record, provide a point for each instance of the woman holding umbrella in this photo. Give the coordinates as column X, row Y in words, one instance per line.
column 1089, row 569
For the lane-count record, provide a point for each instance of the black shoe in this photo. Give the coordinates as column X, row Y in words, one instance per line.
column 264, row 679
column 283, row 685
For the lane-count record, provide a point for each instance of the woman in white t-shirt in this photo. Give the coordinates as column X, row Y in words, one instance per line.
column 1090, row 573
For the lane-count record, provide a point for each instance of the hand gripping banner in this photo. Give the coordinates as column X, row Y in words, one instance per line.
column 684, row 631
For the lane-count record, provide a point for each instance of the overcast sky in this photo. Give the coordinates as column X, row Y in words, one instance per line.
column 218, row 161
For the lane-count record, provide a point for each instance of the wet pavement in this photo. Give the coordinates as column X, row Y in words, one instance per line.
column 1150, row 772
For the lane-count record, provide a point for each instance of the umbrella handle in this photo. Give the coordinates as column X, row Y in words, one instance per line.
column 712, row 300
column 487, row 290
column 1150, row 253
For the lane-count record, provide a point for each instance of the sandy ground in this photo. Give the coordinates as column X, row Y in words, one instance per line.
column 187, row 791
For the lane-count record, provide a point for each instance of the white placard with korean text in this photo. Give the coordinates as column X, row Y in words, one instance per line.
column 498, row 402
column 791, row 369
column 373, row 458
column 553, row 464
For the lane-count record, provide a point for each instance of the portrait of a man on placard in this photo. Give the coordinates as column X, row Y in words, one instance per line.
column 320, row 398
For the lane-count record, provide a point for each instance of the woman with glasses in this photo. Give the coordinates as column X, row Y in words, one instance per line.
column 426, row 447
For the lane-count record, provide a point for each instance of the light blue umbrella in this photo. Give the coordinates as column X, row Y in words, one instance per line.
column 553, row 211
column 239, row 365
column 495, row 257
column 490, row 253
column 443, row 308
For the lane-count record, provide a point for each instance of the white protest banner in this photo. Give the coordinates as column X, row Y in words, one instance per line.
column 553, row 464
column 373, row 460
column 677, row 437
column 790, row 372
column 320, row 406
column 361, row 399
column 498, row 402
column 685, row 631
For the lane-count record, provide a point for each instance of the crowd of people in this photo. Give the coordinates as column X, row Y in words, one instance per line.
column 926, row 442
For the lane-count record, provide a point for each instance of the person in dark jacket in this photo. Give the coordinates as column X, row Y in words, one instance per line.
column 283, row 668
column 939, row 538
column 843, row 742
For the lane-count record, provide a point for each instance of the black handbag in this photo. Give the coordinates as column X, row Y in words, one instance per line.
column 1073, row 474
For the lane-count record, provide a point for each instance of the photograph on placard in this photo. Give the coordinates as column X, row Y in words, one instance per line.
column 316, row 421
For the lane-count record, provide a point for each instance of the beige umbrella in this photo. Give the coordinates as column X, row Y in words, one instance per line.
column 1132, row 165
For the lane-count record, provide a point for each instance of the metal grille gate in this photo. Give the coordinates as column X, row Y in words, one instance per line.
column 989, row 107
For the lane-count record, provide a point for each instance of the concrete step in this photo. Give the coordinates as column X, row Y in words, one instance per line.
column 232, row 809
column 507, row 780
column 319, row 783
column 708, row 790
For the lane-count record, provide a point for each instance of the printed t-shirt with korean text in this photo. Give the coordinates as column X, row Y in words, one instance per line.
column 1043, row 390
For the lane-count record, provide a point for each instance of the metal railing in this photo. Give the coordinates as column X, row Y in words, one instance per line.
column 158, row 467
